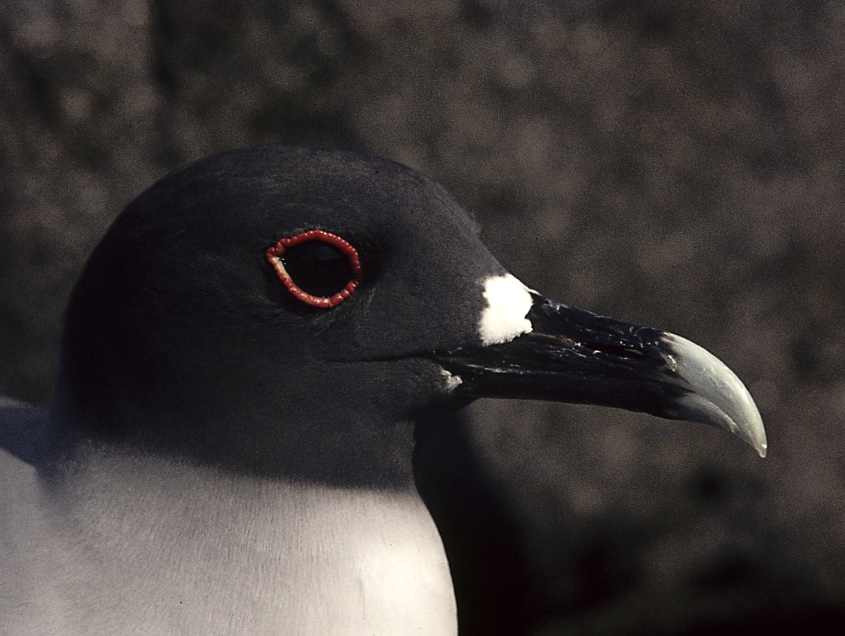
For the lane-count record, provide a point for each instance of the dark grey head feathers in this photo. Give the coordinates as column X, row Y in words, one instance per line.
column 179, row 331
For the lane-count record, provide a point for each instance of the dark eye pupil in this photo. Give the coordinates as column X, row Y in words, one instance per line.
column 318, row 268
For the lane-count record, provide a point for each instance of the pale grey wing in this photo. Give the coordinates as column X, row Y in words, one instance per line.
column 28, row 600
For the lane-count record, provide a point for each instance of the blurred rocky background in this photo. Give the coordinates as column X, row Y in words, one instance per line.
column 677, row 164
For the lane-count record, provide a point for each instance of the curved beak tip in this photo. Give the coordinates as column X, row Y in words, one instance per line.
column 716, row 395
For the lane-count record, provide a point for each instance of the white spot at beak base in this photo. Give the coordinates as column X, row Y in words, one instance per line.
column 508, row 304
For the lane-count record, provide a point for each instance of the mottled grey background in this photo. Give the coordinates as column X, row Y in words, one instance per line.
column 678, row 164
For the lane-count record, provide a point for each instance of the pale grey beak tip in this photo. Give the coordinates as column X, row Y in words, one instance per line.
column 717, row 396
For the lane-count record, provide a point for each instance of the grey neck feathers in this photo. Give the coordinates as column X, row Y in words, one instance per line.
column 318, row 444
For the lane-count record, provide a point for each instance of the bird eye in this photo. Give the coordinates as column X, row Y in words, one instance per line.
column 318, row 268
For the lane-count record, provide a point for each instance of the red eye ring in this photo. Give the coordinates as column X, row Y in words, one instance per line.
column 274, row 254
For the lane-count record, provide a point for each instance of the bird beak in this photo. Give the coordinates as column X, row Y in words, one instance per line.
column 572, row 355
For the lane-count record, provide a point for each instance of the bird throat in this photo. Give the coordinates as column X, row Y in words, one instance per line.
column 346, row 449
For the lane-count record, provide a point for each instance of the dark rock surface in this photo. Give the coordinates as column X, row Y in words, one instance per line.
column 674, row 164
